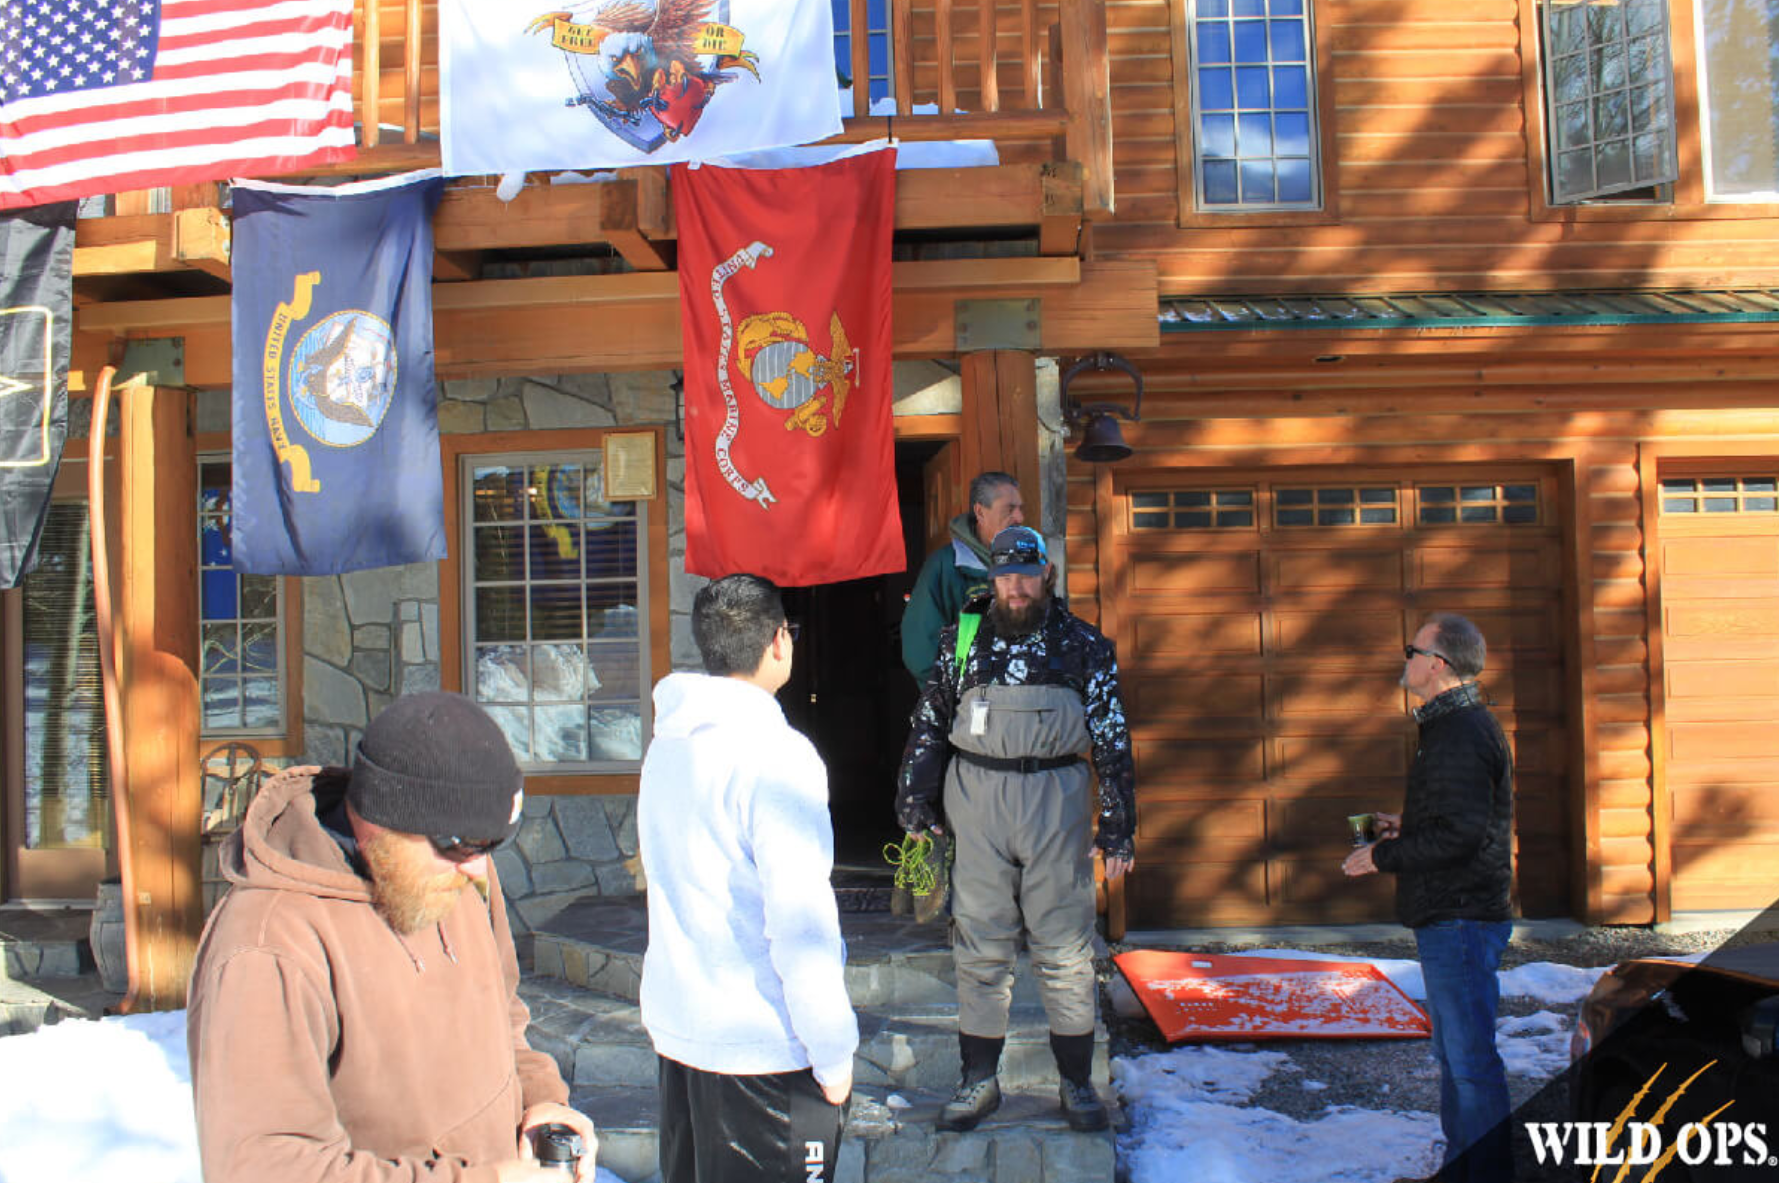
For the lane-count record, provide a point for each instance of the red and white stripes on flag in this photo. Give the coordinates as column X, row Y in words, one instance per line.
column 107, row 96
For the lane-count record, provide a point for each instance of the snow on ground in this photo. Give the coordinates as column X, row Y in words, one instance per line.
column 93, row 1102
column 1188, row 1117
column 1187, row 1122
column 96, row 1102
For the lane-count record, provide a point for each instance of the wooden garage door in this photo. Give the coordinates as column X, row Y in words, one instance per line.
column 1720, row 679
column 1260, row 630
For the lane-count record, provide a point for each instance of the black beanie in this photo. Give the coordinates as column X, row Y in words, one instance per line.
column 436, row 764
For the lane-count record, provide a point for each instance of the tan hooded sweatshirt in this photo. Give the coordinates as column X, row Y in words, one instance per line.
column 324, row 1047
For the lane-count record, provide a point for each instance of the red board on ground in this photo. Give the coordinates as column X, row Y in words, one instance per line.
column 1205, row 996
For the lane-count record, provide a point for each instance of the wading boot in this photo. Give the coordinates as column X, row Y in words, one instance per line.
column 1081, row 1103
column 979, row 1092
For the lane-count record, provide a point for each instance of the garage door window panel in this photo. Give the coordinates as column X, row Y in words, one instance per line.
column 1192, row 509
column 1478, row 505
column 1720, row 495
column 1339, row 506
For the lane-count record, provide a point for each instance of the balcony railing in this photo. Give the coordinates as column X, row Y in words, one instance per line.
column 1031, row 76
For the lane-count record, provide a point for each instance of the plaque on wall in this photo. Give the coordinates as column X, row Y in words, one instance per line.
column 630, row 466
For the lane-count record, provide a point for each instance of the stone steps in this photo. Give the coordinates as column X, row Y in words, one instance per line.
column 583, row 986
column 46, row 969
column 890, row 1138
column 599, row 1040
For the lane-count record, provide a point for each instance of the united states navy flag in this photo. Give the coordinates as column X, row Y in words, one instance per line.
column 336, row 456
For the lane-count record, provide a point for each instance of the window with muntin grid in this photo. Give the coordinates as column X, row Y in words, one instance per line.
column 1192, row 509
column 1343, row 505
column 1720, row 494
column 1478, row 505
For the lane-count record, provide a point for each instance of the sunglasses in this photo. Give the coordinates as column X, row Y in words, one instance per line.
column 459, row 850
column 792, row 627
column 1409, row 651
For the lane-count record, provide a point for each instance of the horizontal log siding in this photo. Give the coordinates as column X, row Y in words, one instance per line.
column 1429, row 164
column 1182, row 429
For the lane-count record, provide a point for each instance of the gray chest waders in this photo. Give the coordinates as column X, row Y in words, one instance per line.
column 1020, row 807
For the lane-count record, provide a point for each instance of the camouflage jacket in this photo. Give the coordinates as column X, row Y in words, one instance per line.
column 1064, row 651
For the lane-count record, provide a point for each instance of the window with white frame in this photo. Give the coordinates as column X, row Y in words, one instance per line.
column 555, row 613
column 241, row 637
column 1738, row 44
column 878, row 44
column 1254, row 105
column 1609, row 97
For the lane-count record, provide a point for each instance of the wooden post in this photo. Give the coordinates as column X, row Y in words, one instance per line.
column 411, row 45
column 370, row 95
column 861, row 58
column 1000, row 420
column 1087, row 88
column 902, row 53
column 943, row 38
column 160, row 688
column 989, row 88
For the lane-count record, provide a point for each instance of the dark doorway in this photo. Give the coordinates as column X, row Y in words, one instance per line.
column 848, row 690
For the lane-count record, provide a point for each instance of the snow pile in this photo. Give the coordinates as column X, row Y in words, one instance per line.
column 1187, row 1123
column 96, row 1102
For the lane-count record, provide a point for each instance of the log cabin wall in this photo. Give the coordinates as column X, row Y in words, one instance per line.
column 1260, row 661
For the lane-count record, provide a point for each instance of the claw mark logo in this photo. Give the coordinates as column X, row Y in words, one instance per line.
column 776, row 355
column 647, row 71
column 1625, row 1143
column 340, row 378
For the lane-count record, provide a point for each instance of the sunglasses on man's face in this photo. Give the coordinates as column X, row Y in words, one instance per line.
column 459, row 850
column 1409, row 651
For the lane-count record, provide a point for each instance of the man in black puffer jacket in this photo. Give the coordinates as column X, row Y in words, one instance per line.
column 1451, row 850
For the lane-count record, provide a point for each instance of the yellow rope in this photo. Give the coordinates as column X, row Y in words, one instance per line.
column 913, row 869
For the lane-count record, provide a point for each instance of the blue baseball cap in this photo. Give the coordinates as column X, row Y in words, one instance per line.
column 1018, row 550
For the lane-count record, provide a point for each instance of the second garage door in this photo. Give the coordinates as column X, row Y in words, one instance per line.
column 1260, row 623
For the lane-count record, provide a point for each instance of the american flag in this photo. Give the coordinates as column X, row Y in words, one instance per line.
column 107, row 96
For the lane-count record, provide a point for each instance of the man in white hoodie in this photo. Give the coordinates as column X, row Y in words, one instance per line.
column 743, row 986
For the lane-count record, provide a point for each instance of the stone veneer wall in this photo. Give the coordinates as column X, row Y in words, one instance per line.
column 370, row 636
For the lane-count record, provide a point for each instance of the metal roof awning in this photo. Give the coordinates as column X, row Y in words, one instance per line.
column 1192, row 314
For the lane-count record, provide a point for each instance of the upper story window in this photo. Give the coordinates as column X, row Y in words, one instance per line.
column 1609, row 97
column 242, row 660
column 1739, row 91
column 1253, row 105
column 877, row 38
column 555, row 613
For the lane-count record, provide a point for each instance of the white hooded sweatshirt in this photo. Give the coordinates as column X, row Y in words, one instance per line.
column 745, row 972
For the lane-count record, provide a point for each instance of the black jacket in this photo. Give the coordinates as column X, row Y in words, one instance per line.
column 1454, row 857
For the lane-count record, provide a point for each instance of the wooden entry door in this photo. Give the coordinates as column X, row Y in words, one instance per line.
column 1719, row 551
column 1260, row 627
column 57, row 783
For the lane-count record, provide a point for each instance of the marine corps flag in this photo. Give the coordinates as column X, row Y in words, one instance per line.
column 336, row 459
column 785, row 305
column 36, row 297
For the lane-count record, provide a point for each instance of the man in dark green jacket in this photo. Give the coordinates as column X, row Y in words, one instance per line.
column 955, row 574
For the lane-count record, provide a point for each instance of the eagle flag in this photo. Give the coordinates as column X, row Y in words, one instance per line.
column 106, row 96
column 336, row 438
column 36, row 298
column 529, row 85
column 785, row 308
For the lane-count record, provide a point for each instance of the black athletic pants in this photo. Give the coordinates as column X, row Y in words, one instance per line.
column 776, row 1128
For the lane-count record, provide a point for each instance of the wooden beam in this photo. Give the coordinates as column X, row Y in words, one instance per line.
column 545, row 325
column 160, row 687
column 1087, row 79
column 456, row 266
column 201, row 239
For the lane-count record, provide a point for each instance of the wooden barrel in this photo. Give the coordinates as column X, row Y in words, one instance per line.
column 107, row 936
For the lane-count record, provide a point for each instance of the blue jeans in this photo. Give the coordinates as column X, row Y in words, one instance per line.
column 1458, row 963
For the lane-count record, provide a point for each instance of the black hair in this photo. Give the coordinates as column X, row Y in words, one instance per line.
column 733, row 620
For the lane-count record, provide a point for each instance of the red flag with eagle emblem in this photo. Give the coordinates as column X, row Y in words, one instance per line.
column 785, row 305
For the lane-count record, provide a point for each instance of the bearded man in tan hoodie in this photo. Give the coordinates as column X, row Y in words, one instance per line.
column 354, row 1009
